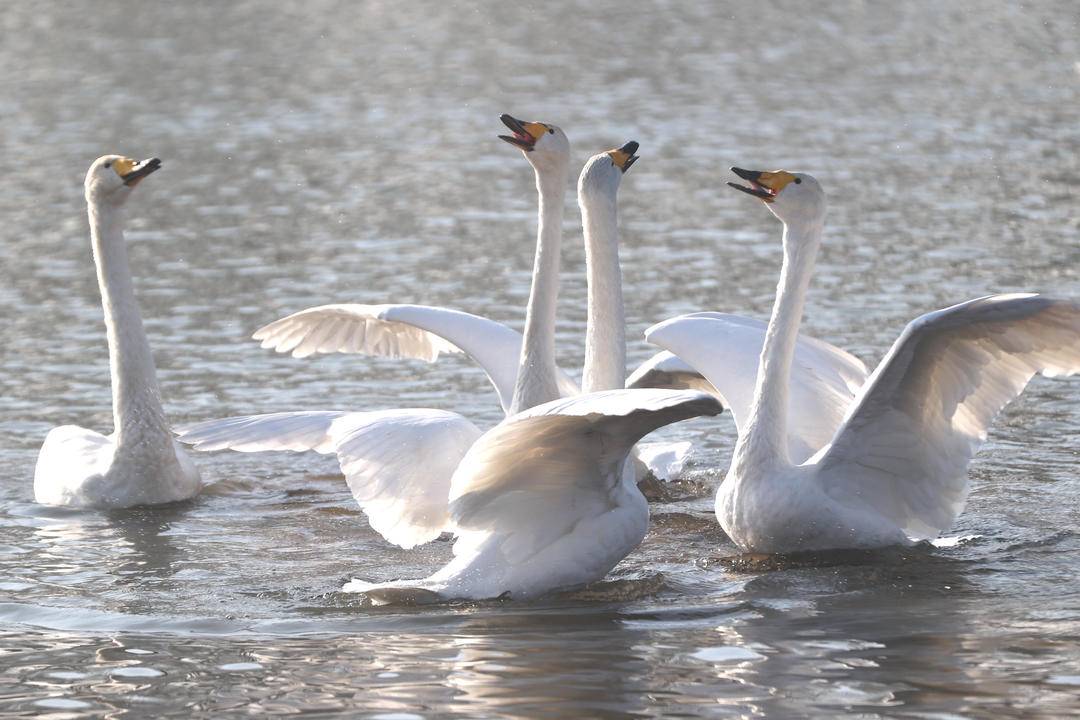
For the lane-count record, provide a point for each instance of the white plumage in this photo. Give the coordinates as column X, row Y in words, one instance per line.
column 424, row 332
column 403, row 331
column 139, row 463
column 397, row 463
column 889, row 465
column 545, row 500
column 725, row 350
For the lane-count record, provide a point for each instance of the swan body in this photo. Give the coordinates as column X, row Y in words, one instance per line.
column 140, row 463
column 543, row 501
column 894, row 469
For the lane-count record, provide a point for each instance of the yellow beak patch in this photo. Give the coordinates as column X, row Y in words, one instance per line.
column 619, row 158
column 535, row 129
column 123, row 166
column 776, row 180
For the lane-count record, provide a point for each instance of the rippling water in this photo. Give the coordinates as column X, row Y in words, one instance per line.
column 332, row 151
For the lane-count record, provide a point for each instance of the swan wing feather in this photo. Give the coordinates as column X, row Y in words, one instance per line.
column 404, row 331
column 904, row 447
column 397, row 463
column 535, row 476
column 725, row 348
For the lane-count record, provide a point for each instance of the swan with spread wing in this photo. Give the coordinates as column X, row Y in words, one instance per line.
column 545, row 500
column 815, row 469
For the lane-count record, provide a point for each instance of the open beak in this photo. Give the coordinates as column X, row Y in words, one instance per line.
column 140, row 170
column 764, row 185
column 525, row 133
column 624, row 157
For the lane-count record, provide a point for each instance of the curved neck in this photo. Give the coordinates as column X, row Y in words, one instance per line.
column 136, row 399
column 605, row 334
column 537, row 374
column 764, row 444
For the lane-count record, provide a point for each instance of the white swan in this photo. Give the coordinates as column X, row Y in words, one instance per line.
column 140, row 463
column 543, row 501
column 895, row 469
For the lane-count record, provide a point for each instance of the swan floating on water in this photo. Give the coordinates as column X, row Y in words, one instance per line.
column 544, row 501
column 140, row 463
column 888, row 466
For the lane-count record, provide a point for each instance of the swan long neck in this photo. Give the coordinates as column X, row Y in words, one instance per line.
column 136, row 399
column 537, row 378
column 764, row 444
column 605, row 334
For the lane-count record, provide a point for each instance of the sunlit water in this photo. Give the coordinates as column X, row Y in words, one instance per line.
column 327, row 151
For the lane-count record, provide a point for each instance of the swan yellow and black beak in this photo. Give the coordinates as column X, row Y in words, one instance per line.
column 525, row 133
column 133, row 171
column 624, row 157
column 764, row 185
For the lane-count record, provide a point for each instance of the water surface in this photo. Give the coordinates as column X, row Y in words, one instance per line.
column 326, row 151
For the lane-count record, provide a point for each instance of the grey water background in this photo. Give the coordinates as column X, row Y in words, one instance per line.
column 329, row 151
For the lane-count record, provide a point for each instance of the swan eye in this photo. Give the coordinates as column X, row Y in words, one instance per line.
column 798, row 181
column 551, row 130
column 108, row 164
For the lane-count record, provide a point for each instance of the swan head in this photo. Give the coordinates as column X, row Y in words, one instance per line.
column 790, row 196
column 544, row 145
column 603, row 172
column 111, row 178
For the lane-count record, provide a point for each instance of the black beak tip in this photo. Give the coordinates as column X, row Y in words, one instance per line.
column 512, row 122
column 746, row 174
column 629, row 148
column 516, row 142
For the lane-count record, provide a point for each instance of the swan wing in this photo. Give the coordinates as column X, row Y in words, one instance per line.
column 904, row 447
column 726, row 348
column 397, row 463
column 540, row 473
column 400, row 331
column 294, row 431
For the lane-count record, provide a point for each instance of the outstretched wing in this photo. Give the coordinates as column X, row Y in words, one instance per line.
column 405, row 331
column 904, row 447
column 400, row 331
column 295, row 431
column 533, row 477
column 398, row 463
column 726, row 348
